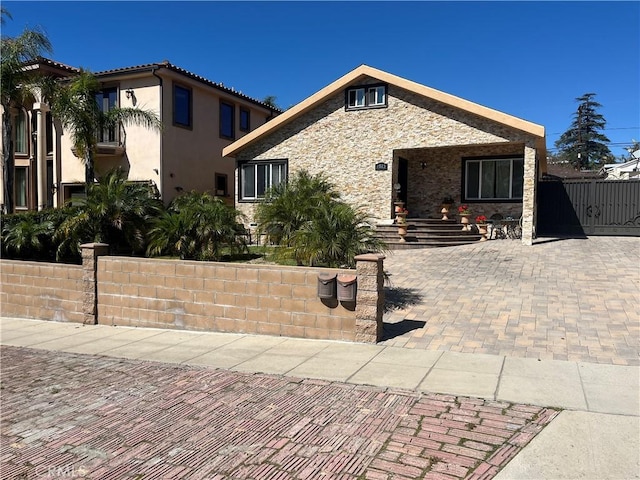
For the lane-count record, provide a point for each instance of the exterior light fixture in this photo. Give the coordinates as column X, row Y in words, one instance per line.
column 129, row 92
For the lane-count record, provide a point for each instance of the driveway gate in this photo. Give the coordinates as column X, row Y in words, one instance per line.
column 589, row 207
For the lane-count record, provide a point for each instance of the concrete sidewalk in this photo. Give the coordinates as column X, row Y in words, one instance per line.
column 603, row 400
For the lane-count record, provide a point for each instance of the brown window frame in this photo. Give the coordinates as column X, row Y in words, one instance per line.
column 176, row 123
column 246, row 111
column 223, row 134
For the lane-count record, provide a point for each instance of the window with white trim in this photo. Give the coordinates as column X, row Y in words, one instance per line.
column 497, row 178
column 256, row 177
column 370, row 96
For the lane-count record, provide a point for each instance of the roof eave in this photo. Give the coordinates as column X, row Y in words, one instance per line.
column 365, row 70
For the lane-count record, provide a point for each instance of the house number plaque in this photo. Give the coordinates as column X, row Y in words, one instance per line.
column 381, row 166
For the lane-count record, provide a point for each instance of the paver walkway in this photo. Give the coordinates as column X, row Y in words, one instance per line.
column 78, row 416
column 561, row 299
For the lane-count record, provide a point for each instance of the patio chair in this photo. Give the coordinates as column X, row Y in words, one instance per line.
column 495, row 226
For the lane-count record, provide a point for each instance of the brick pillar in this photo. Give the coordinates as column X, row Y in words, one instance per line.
column 370, row 297
column 90, row 254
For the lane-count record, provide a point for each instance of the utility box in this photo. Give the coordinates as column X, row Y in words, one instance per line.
column 327, row 285
column 347, row 288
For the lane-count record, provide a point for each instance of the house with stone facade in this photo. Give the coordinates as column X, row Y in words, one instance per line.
column 379, row 137
column 199, row 118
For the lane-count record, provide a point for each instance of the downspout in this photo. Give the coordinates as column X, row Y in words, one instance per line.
column 154, row 69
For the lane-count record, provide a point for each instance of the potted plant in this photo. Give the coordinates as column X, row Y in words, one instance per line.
column 481, row 223
column 447, row 201
column 446, row 205
column 465, row 212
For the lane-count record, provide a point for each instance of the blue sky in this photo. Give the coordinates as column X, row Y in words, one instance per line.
column 528, row 59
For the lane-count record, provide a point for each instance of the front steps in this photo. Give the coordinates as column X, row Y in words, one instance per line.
column 427, row 232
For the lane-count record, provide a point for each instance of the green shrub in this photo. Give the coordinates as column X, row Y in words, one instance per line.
column 197, row 226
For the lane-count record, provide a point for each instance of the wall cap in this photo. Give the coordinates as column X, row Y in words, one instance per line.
column 369, row 257
column 94, row 245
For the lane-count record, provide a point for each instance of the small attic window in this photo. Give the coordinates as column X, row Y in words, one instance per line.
column 369, row 96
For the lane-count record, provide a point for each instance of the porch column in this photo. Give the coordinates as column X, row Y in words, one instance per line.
column 529, row 194
column 41, row 154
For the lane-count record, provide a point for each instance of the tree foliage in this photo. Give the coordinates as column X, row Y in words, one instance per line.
column 74, row 104
column 197, row 226
column 115, row 211
column 583, row 145
column 15, row 52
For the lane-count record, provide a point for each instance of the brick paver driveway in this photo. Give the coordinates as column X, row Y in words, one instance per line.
column 80, row 416
column 563, row 299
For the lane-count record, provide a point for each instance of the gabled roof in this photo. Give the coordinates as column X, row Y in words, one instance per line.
column 47, row 63
column 367, row 71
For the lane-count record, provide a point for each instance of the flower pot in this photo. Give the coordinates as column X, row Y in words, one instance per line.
column 445, row 211
column 482, row 230
column 402, row 231
column 464, row 220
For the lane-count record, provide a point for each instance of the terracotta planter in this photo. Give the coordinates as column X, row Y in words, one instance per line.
column 464, row 220
column 482, row 230
column 402, row 231
column 445, row 211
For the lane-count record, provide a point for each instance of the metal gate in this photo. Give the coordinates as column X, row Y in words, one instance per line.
column 588, row 207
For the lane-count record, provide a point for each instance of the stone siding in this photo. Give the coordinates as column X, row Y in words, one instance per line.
column 44, row 291
column 441, row 176
column 346, row 145
column 242, row 298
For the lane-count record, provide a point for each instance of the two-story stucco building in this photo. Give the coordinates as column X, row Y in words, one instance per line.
column 199, row 117
column 378, row 136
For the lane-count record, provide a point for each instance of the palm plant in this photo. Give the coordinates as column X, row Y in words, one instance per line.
column 196, row 226
column 115, row 211
column 26, row 235
column 75, row 105
column 15, row 52
column 288, row 206
column 309, row 223
column 335, row 236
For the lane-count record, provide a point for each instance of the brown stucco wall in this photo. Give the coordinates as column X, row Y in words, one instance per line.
column 346, row 145
column 45, row 291
column 242, row 298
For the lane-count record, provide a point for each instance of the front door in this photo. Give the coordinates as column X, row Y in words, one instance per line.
column 403, row 175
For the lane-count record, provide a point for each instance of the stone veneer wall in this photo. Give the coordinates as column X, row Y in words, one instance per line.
column 45, row 291
column 442, row 176
column 346, row 145
column 242, row 298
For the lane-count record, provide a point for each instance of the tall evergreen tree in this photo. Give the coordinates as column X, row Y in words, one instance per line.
column 583, row 145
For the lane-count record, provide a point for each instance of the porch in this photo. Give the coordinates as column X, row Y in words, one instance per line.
column 492, row 180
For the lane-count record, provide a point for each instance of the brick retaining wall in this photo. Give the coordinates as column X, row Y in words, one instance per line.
column 45, row 291
column 241, row 298
column 224, row 297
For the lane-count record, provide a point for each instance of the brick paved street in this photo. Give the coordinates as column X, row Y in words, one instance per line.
column 560, row 299
column 80, row 416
